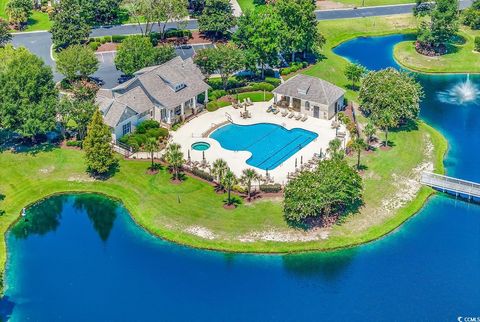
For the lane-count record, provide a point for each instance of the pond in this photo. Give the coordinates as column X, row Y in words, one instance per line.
column 82, row 258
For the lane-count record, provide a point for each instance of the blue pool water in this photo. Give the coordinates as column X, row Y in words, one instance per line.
column 270, row 144
column 82, row 258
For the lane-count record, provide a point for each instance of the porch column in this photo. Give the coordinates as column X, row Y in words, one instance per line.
column 206, row 96
column 194, row 106
column 290, row 101
column 182, row 113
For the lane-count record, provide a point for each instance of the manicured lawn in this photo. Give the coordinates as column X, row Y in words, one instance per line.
column 461, row 57
column 332, row 66
column 168, row 210
column 247, row 4
column 256, row 96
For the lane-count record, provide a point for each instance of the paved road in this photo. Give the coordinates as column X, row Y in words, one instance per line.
column 40, row 42
column 373, row 11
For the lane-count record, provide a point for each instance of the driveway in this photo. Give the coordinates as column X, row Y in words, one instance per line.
column 109, row 74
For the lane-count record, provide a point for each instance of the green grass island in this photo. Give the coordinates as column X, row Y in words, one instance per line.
column 191, row 213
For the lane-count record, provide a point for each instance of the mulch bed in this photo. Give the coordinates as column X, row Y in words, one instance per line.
column 385, row 148
column 151, row 172
column 229, row 207
column 109, row 46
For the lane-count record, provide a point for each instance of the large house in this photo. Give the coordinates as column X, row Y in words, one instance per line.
column 167, row 93
column 310, row 95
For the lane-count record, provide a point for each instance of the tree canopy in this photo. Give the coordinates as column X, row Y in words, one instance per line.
column 224, row 59
column 165, row 11
column 27, row 93
column 99, row 155
column 18, row 12
column 299, row 32
column 137, row 52
column 217, row 18
column 442, row 25
column 330, row 189
column 70, row 26
column 355, row 72
column 77, row 61
column 389, row 97
column 5, row 35
column 258, row 35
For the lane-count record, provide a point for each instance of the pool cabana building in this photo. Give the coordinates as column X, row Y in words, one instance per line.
column 310, row 95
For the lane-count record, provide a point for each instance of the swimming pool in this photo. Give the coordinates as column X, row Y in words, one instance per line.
column 270, row 144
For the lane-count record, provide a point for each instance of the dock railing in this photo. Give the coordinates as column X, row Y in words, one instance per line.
column 450, row 184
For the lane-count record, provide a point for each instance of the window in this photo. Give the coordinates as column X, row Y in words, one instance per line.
column 163, row 114
column 127, row 128
column 307, row 105
column 178, row 110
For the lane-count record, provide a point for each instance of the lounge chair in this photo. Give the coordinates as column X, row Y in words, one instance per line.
column 298, row 116
column 276, row 111
column 292, row 114
column 304, row 118
column 284, row 112
column 249, row 102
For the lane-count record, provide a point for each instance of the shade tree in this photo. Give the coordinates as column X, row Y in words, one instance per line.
column 331, row 189
column 217, row 18
column 389, row 98
column 77, row 61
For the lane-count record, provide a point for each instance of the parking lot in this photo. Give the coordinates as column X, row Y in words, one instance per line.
column 111, row 77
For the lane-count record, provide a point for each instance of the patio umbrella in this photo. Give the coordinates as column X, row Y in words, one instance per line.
column 301, row 160
column 266, row 173
column 203, row 155
column 189, row 158
column 295, row 163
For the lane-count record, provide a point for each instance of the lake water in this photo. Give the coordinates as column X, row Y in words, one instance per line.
column 81, row 258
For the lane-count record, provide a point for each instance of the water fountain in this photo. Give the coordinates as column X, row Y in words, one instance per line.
column 464, row 92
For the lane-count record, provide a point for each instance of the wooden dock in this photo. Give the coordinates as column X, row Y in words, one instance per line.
column 458, row 187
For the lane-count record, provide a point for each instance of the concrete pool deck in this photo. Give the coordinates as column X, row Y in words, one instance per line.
column 192, row 131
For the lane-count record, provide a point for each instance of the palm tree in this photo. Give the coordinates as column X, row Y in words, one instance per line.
column 174, row 157
column 219, row 169
column 369, row 131
column 249, row 175
column 151, row 146
column 357, row 145
column 335, row 149
column 228, row 181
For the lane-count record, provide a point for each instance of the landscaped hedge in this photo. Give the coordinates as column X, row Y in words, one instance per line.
column 477, row 43
column 216, row 94
column 271, row 188
column 233, row 82
column 94, row 45
column 215, row 105
column 77, row 144
column 202, row 174
column 294, row 67
column 144, row 131
column 272, row 80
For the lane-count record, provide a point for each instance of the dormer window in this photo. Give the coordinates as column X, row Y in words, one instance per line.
column 302, row 91
column 179, row 86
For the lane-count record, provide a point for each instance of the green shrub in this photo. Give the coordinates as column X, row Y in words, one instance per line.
column 118, row 38
column 262, row 87
column 233, row 82
column 239, row 189
column 176, row 126
column 94, row 45
column 212, row 106
column 202, row 174
column 178, row 33
column 477, row 43
column 74, row 143
column 216, row 94
column 274, row 81
column 269, row 73
column 147, row 125
column 157, row 133
column 271, row 188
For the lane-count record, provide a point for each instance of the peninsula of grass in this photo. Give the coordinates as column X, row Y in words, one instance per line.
column 173, row 211
column 192, row 213
column 460, row 58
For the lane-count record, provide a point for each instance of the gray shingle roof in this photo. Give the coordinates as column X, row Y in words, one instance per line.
column 152, row 86
column 310, row 88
